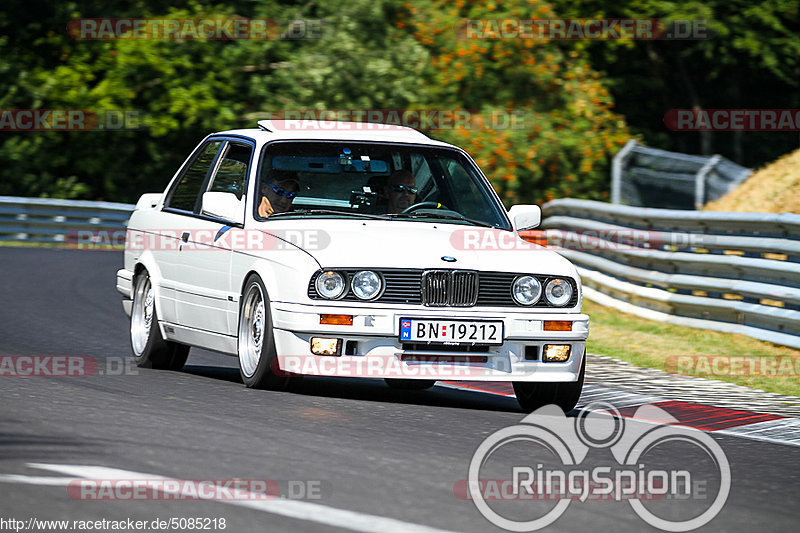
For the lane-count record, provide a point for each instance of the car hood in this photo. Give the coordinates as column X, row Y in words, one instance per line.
column 404, row 244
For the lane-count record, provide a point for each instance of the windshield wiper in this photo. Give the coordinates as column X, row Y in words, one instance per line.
column 444, row 216
column 330, row 212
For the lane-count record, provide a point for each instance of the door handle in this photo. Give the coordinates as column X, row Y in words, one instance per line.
column 185, row 236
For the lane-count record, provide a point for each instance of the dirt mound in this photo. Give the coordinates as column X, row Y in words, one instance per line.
column 772, row 189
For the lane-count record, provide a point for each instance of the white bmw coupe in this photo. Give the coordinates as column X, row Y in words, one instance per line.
column 350, row 249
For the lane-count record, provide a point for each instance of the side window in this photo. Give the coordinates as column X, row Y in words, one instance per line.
column 185, row 194
column 469, row 200
column 232, row 173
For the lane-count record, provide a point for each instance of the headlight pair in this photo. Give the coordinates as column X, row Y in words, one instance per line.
column 365, row 284
column 527, row 290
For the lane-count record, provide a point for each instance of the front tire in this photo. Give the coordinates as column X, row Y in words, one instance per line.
column 532, row 396
column 149, row 348
column 258, row 359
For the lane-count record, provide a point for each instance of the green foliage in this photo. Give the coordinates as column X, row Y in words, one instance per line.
column 380, row 54
column 181, row 90
column 751, row 60
column 566, row 132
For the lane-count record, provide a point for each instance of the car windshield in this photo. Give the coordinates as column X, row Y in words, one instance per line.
column 374, row 180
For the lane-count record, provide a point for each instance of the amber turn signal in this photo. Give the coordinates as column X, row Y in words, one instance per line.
column 558, row 325
column 336, row 320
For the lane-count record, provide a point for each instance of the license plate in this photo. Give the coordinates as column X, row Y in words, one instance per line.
column 451, row 331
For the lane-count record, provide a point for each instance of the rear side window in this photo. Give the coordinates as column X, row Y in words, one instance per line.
column 185, row 194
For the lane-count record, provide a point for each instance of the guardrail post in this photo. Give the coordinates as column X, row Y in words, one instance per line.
column 616, row 170
column 700, row 182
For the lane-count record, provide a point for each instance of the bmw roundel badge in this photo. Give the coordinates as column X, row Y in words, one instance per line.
column 448, row 259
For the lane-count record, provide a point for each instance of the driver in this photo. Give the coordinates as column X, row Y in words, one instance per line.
column 400, row 191
column 278, row 193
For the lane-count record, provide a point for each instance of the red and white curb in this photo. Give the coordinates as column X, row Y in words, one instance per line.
column 765, row 427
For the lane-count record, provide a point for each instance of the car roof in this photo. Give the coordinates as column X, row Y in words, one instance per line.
column 271, row 130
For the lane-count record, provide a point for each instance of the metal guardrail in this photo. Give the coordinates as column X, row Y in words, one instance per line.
column 45, row 220
column 644, row 176
column 737, row 272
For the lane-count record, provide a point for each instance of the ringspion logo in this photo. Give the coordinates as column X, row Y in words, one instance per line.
column 530, row 465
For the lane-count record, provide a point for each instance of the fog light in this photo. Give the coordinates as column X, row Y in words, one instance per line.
column 556, row 353
column 336, row 320
column 557, row 325
column 326, row 346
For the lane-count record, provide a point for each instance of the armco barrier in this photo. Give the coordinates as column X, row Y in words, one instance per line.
column 736, row 272
column 47, row 220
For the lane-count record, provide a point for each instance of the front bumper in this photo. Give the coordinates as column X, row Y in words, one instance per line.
column 376, row 351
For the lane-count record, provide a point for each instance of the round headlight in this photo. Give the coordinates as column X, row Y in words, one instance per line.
column 558, row 291
column 366, row 284
column 330, row 285
column 527, row 290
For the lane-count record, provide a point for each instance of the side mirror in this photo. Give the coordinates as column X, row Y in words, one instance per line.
column 224, row 205
column 525, row 216
column 148, row 201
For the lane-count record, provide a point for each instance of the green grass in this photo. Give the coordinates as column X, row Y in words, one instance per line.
column 690, row 351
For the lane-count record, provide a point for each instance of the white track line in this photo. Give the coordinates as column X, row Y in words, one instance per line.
column 783, row 431
column 297, row 509
column 35, row 480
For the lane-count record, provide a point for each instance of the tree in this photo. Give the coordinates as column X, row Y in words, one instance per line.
column 750, row 60
column 568, row 131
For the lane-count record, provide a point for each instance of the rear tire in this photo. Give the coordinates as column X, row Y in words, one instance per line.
column 258, row 358
column 532, row 396
column 149, row 348
column 410, row 384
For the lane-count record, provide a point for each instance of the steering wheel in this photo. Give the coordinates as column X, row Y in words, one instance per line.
column 425, row 205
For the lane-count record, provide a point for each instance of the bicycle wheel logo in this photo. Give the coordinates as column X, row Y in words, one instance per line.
column 547, row 451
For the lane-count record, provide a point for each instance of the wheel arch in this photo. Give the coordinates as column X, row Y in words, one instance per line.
column 147, row 262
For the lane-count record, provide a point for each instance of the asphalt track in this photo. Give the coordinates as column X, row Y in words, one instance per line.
column 379, row 459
